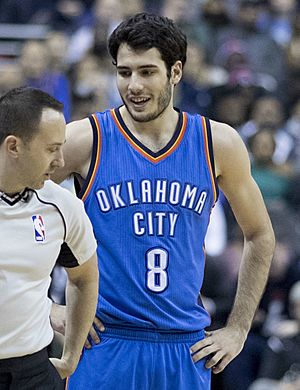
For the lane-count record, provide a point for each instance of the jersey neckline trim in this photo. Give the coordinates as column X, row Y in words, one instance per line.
column 12, row 200
column 154, row 157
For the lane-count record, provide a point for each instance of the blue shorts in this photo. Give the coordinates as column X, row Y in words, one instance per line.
column 141, row 360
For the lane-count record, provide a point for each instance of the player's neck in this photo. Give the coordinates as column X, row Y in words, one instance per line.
column 157, row 132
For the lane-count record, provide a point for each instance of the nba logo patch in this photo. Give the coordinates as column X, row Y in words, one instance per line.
column 39, row 228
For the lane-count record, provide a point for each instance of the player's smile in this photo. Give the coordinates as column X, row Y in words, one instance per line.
column 139, row 103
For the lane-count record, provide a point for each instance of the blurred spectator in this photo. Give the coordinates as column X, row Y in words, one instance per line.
column 70, row 15
column 292, row 383
column 10, row 75
column 131, row 7
column 186, row 14
column 94, row 87
column 230, row 104
column 233, row 57
column 57, row 45
column 268, row 112
column 290, row 86
column 278, row 21
column 153, row 6
column 264, row 55
column 217, row 291
column 274, row 180
column 243, row 370
column 67, row 15
column 27, row 11
column 283, row 350
column 194, row 94
column 35, row 64
column 293, row 128
column 214, row 17
column 106, row 15
column 285, row 271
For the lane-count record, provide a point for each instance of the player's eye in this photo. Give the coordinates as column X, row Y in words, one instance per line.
column 147, row 72
column 124, row 73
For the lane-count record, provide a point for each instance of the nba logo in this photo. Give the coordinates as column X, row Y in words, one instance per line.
column 39, row 228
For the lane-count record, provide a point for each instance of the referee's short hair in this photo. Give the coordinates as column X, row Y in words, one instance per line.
column 21, row 110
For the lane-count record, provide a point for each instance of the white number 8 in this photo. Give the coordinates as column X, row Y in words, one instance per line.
column 157, row 260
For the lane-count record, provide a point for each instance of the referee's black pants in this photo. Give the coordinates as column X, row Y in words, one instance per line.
column 30, row 372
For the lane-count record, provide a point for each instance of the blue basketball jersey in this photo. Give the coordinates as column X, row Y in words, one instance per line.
column 150, row 213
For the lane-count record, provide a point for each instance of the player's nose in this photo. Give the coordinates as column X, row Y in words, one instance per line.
column 135, row 85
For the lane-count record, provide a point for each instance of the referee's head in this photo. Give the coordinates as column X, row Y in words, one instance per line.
column 21, row 110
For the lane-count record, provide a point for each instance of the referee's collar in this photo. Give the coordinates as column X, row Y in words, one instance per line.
column 13, row 199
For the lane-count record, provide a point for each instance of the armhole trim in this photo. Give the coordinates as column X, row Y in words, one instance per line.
column 88, row 182
column 210, row 155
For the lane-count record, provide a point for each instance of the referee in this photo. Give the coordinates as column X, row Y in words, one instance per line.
column 37, row 217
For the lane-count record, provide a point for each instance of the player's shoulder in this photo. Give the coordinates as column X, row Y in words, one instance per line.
column 79, row 126
column 225, row 138
column 222, row 132
column 86, row 123
column 79, row 136
column 228, row 146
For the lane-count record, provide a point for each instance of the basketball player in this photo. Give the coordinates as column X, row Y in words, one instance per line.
column 36, row 217
column 150, row 176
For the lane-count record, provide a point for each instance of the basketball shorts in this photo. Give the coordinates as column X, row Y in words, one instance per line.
column 140, row 360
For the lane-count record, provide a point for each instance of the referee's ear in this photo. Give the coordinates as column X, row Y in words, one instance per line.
column 12, row 145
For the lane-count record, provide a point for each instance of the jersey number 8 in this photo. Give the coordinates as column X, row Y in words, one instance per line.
column 157, row 261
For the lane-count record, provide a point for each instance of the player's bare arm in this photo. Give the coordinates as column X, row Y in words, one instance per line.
column 81, row 296
column 77, row 150
column 234, row 178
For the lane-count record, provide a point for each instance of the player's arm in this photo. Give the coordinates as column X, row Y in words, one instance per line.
column 81, row 301
column 234, row 178
column 77, row 150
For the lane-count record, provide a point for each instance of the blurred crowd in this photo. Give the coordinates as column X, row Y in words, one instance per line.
column 243, row 69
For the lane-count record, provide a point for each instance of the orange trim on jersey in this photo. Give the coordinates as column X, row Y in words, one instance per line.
column 143, row 152
column 97, row 160
column 208, row 158
column 67, row 382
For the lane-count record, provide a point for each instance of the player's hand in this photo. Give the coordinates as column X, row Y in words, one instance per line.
column 93, row 335
column 64, row 368
column 219, row 347
column 58, row 317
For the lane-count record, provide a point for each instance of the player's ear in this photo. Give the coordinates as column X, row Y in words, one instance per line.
column 12, row 145
column 176, row 72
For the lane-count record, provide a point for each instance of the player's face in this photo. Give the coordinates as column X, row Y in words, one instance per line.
column 43, row 154
column 143, row 83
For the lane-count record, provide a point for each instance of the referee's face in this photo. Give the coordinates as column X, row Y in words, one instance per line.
column 43, row 154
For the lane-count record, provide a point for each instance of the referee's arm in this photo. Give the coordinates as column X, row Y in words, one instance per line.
column 81, row 301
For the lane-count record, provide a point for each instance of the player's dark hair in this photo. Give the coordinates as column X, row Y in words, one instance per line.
column 144, row 31
column 21, row 110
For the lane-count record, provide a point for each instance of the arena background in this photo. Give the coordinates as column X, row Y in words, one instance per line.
column 243, row 69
